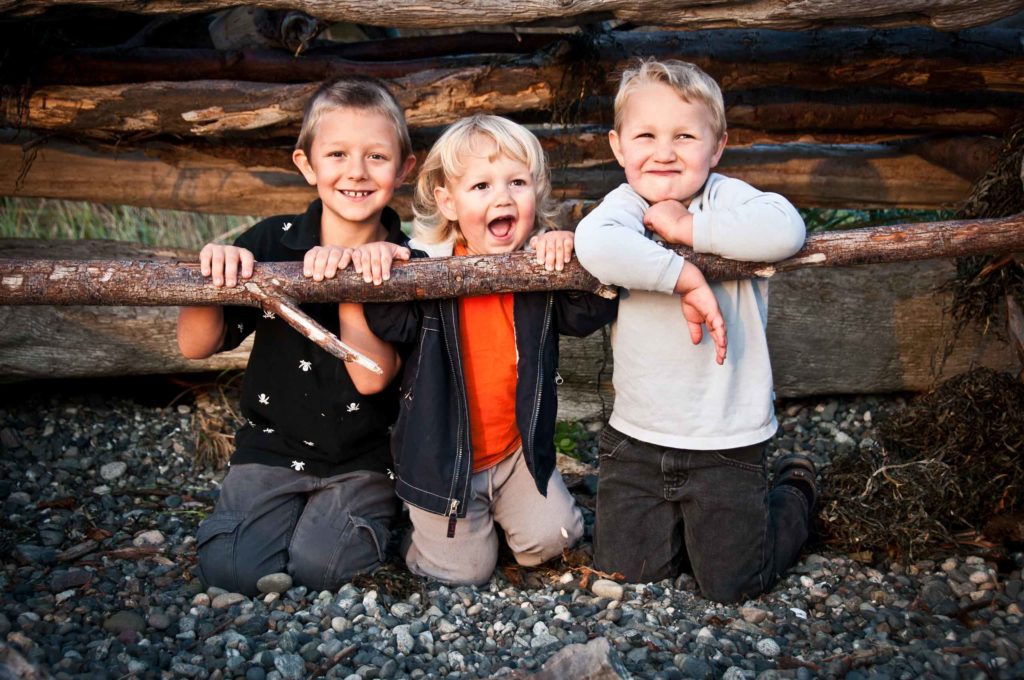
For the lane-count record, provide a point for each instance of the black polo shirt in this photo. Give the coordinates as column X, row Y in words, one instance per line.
column 301, row 409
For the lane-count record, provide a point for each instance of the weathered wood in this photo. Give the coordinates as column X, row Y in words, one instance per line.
column 432, row 97
column 908, row 59
column 115, row 282
column 867, row 329
column 243, row 179
column 948, row 15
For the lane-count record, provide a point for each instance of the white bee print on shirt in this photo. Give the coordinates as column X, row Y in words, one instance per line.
column 308, row 443
column 264, row 399
column 267, row 314
column 241, row 328
column 286, row 226
column 352, row 407
column 268, row 430
column 305, row 366
column 298, row 465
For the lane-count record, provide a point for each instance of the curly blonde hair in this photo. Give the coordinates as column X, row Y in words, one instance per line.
column 445, row 162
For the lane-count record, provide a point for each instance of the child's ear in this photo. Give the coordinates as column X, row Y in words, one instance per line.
column 613, row 141
column 445, row 203
column 302, row 163
column 719, row 150
column 407, row 165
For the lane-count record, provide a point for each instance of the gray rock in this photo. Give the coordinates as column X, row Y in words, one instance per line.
column 111, row 471
column 278, row 582
column 225, row 600
column 124, row 620
column 404, row 641
column 290, row 666
column 768, row 647
column 595, row 660
column 605, row 588
column 150, row 539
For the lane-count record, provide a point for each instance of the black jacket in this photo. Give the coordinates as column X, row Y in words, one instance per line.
column 430, row 442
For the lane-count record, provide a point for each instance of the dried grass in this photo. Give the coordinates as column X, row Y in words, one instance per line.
column 950, row 461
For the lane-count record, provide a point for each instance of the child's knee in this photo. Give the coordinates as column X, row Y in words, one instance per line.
column 548, row 539
column 326, row 564
column 475, row 567
column 226, row 559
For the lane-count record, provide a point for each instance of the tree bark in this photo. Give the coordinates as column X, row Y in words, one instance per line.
column 434, row 97
column 114, row 282
column 247, row 179
column 908, row 59
column 694, row 14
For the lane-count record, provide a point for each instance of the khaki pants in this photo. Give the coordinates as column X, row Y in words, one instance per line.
column 536, row 527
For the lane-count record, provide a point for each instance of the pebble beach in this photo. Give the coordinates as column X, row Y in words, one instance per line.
column 102, row 498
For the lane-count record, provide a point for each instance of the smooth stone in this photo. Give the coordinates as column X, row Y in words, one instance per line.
column 753, row 614
column 278, row 582
column 111, row 471
column 152, row 538
column 225, row 600
column 124, row 620
column 606, row 588
column 768, row 647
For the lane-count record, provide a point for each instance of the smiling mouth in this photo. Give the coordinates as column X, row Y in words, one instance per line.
column 501, row 227
column 355, row 194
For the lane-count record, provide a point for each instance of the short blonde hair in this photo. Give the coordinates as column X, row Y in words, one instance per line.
column 354, row 92
column 446, row 162
column 688, row 80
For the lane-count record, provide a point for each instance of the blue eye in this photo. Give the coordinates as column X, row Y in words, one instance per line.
column 480, row 186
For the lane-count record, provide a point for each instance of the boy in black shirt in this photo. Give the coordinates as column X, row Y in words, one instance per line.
column 308, row 490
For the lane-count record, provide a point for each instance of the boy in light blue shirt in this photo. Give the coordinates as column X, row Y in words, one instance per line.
column 682, row 475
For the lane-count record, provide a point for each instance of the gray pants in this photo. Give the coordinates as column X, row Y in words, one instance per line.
column 659, row 507
column 537, row 527
column 321, row 530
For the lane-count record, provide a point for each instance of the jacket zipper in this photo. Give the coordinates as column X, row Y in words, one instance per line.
column 540, row 373
column 453, row 508
column 453, row 517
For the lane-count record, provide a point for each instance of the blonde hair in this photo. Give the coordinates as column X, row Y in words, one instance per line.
column 445, row 162
column 688, row 80
column 355, row 92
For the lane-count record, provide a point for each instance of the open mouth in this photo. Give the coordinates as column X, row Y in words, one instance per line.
column 501, row 227
column 354, row 194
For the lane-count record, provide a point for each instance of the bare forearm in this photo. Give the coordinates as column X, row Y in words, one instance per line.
column 355, row 332
column 200, row 331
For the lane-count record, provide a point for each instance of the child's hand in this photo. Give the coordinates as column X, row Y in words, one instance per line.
column 671, row 221
column 225, row 264
column 554, row 249
column 701, row 308
column 324, row 262
column 373, row 260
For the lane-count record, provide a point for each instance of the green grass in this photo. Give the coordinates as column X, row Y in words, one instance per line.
column 834, row 219
column 54, row 220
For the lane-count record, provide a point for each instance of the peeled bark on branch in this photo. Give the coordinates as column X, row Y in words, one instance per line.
column 114, row 282
column 245, row 179
column 694, row 14
column 434, row 97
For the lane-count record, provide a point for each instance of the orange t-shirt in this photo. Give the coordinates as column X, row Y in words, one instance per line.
column 489, row 355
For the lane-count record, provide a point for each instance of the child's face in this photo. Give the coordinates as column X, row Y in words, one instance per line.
column 665, row 144
column 494, row 202
column 355, row 163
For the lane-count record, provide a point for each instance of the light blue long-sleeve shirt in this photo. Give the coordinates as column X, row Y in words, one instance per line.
column 668, row 391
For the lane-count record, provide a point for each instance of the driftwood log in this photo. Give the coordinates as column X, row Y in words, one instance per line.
column 113, row 282
column 915, row 60
column 205, row 108
column 693, row 14
column 25, row 281
column 248, row 179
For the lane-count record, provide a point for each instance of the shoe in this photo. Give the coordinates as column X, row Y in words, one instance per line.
column 798, row 470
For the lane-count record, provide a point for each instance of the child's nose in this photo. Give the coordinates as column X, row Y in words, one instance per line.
column 356, row 168
column 664, row 152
